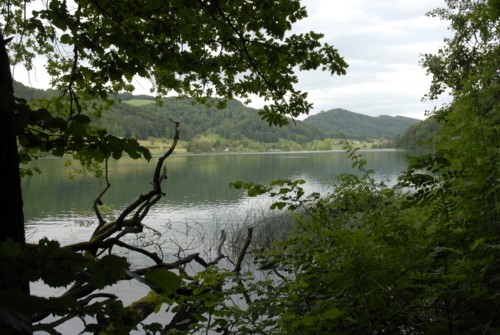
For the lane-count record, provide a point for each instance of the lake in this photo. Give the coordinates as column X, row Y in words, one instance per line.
column 197, row 188
column 198, row 198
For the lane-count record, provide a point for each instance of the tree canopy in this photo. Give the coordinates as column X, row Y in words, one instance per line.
column 419, row 257
column 198, row 48
column 202, row 49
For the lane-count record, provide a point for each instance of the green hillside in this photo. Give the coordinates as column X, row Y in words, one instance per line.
column 359, row 126
column 419, row 136
column 30, row 93
column 140, row 116
column 139, row 102
column 233, row 123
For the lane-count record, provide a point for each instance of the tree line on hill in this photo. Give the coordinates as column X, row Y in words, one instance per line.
column 359, row 126
column 419, row 136
column 233, row 124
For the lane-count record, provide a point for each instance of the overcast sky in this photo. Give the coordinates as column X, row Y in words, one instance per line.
column 381, row 40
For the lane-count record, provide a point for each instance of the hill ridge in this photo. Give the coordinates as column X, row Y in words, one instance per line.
column 237, row 121
column 359, row 126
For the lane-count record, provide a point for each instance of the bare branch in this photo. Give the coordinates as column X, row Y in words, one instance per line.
column 98, row 200
column 174, row 265
column 108, row 234
column 219, row 248
column 140, row 208
column 243, row 252
column 153, row 255
column 157, row 177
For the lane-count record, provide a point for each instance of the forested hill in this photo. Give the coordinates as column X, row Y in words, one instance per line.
column 141, row 117
column 233, row 123
column 359, row 126
column 420, row 136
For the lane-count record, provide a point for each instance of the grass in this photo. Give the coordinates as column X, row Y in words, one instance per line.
column 139, row 102
column 268, row 227
column 159, row 147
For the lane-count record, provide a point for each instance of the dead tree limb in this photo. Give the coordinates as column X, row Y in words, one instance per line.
column 243, row 252
column 108, row 234
column 130, row 219
column 98, row 200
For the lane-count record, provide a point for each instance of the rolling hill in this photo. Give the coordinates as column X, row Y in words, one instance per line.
column 359, row 126
column 141, row 117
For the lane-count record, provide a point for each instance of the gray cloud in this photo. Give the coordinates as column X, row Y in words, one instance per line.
column 381, row 41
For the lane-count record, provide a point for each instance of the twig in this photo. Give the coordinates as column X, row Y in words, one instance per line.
column 243, row 252
column 219, row 248
column 174, row 265
column 98, row 200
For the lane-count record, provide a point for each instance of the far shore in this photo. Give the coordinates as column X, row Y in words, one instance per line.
column 159, row 147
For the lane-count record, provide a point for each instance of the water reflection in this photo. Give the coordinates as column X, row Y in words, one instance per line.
column 197, row 186
column 197, row 204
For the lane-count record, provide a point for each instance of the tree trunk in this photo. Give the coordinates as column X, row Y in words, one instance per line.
column 11, row 205
column 11, row 200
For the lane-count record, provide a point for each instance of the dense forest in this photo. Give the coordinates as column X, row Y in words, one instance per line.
column 419, row 136
column 418, row 257
column 359, row 126
column 142, row 117
column 233, row 123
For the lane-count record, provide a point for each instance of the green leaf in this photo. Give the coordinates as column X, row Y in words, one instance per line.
column 278, row 205
column 237, row 184
column 309, row 320
column 163, row 280
column 77, row 129
column 249, row 185
column 284, row 190
column 333, row 314
column 66, row 39
column 81, row 118
column 114, row 267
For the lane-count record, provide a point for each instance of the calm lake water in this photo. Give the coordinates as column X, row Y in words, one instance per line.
column 197, row 188
column 198, row 197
